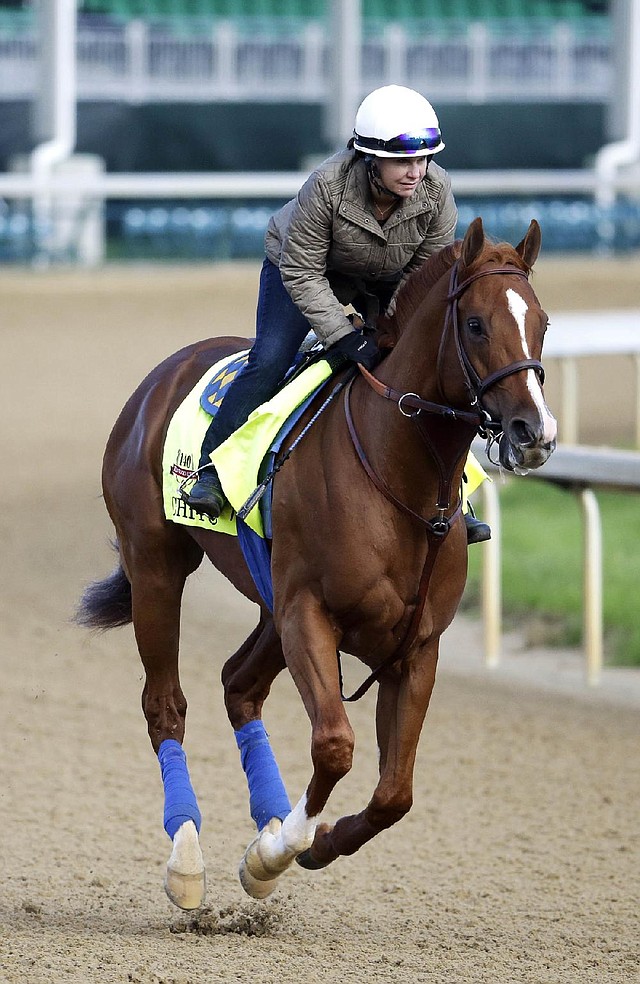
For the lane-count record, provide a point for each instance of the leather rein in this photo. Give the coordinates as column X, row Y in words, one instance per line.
column 446, row 453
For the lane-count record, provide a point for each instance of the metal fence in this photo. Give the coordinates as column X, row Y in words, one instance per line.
column 138, row 61
column 580, row 470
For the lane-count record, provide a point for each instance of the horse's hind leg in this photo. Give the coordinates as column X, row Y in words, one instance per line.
column 247, row 678
column 157, row 570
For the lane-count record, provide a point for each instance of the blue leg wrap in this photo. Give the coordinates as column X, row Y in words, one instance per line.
column 180, row 802
column 267, row 795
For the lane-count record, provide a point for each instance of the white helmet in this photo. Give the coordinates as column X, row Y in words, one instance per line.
column 397, row 122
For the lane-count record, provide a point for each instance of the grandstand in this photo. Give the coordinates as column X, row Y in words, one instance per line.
column 383, row 10
column 373, row 10
column 265, row 50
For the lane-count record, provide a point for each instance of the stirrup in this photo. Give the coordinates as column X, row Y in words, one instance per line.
column 477, row 531
column 207, row 496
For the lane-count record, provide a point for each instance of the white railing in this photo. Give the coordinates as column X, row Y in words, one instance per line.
column 276, row 184
column 136, row 62
column 76, row 186
column 579, row 334
column 581, row 470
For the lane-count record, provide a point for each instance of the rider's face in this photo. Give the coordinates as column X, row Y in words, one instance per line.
column 401, row 175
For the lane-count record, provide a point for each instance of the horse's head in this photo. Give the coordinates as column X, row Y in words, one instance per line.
column 495, row 330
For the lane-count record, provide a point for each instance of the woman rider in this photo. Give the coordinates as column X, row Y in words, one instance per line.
column 363, row 221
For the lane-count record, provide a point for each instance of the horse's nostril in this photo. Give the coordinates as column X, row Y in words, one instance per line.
column 521, row 434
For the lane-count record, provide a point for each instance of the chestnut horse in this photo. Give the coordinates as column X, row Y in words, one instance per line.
column 368, row 551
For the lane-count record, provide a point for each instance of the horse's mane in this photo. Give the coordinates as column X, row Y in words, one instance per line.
column 420, row 282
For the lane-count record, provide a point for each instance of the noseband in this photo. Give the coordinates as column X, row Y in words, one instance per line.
column 476, row 386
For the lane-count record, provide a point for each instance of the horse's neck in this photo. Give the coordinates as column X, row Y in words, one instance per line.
column 412, row 365
column 422, row 458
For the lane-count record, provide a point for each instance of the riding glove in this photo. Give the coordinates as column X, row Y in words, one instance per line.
column 358, row 348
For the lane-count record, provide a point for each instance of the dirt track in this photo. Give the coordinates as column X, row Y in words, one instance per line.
column 519, row 860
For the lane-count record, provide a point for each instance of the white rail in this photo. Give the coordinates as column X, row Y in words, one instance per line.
column 581, row 470
column 285, row 184
column 580, row 334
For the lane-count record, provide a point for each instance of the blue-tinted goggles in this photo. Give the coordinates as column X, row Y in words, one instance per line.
column 404, row 143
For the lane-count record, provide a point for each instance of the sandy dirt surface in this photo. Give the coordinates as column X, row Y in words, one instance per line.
column 519, row 860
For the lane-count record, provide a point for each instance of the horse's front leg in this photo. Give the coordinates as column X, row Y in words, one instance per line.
column 403, row 699
column 309, row 643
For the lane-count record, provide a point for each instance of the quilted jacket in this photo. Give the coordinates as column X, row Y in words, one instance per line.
column 328, row 244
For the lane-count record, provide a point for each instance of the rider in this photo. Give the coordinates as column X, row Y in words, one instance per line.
column 363, row 221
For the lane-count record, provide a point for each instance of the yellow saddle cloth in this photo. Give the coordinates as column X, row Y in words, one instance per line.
column 238, row 459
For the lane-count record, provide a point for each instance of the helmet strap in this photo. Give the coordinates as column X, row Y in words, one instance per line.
column 375, row 179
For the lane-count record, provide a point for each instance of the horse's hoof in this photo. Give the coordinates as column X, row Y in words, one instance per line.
column 185, row 882
column 255, row 887
column 307, row 860
column 185, row 891
column 255, row 877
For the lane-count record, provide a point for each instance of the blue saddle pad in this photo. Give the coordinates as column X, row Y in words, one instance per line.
column 257, row 549
column 214, row 391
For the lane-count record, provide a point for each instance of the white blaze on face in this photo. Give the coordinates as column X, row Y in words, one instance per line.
column 518, row 307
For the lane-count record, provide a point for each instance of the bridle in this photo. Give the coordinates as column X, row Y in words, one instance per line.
column 445, row 450
column 476, row 386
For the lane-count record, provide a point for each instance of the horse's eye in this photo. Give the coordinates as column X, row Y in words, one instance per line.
column 474, row 325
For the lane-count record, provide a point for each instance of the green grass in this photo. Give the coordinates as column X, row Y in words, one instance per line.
column 542, row 571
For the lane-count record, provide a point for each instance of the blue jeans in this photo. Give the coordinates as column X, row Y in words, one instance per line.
column 280, row 330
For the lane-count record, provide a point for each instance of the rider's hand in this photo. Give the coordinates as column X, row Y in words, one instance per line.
column 358, row 348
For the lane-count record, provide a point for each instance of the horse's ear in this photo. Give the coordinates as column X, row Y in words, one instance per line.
column 472, row 243
column 529, row 248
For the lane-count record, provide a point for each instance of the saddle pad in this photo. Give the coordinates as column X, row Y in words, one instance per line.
column 239, row 458
column 214, row 391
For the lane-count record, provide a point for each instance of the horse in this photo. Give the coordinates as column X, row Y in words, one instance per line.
column 368, row 551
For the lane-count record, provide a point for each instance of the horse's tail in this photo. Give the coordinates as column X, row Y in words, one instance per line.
column 106, row 604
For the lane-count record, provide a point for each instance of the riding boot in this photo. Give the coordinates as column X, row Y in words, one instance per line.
column 207, row 496
column 477, row 531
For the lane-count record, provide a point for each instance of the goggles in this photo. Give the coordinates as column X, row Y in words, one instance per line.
column 404, row 143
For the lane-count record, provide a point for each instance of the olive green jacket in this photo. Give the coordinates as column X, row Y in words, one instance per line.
column 327, row 242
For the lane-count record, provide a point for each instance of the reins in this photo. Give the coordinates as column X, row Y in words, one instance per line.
column 446, row 455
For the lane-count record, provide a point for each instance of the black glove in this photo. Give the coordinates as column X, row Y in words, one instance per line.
column 358, row 348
